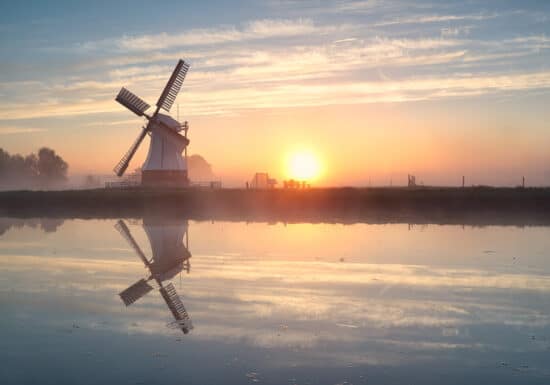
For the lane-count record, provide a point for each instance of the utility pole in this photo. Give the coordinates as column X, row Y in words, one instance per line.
column 462, row 181
column 523, row 182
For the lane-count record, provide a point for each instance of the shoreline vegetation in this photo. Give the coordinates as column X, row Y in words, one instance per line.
column 477, row 206
column 45, row 169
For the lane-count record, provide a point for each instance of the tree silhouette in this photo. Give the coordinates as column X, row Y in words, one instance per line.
column 51, row 167
column 199, row 168
column 32, row 170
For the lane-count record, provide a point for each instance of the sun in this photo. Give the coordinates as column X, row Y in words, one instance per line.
column 303, row 166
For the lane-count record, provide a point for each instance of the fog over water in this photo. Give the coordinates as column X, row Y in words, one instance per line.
column 273, row 303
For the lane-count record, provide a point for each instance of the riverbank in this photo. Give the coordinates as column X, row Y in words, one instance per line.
column 476, row 205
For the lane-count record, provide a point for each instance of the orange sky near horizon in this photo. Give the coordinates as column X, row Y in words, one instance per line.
column 379, row 143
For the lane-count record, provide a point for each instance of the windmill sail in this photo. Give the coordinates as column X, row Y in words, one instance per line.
column 122, row 165
column 173, row 86
column 131, row 102
column 125, row 232
column 135, row 292
column 176, row 307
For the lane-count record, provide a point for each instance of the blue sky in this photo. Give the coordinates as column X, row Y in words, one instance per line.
column 451, row 78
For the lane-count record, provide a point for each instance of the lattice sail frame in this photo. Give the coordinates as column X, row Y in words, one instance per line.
column 173, row 86
column 122, row 165
column 135, row 292
column 123, row 230
column 132, row 102
column 174, row 303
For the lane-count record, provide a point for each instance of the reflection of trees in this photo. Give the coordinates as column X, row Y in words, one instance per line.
column 42, row 169
column 48, row 225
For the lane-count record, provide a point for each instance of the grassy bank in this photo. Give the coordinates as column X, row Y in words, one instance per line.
column 482, row 205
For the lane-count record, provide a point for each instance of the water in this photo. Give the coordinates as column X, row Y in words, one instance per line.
column 273, row 303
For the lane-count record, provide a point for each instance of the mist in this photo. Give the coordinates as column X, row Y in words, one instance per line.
column 43, row 170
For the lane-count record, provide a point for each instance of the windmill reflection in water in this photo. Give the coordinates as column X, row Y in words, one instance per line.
column 170, row 257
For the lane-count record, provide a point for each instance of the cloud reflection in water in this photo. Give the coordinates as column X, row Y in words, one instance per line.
column 482, row 312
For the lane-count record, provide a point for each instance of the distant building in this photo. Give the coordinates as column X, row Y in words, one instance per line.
column 261, row 180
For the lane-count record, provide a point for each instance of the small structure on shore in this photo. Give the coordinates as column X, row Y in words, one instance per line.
column 165, row 166
column 131, row 180
column 411, row 181
column 261, row 180
column 295, row 184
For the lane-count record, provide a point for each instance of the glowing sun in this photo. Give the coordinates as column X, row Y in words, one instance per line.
column 303, row 166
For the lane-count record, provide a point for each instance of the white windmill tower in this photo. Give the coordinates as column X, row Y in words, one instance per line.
column 170, row 256
column 164, row 165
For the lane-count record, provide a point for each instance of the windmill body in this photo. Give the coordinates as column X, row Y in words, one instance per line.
column 164, row 166
column 169, row 252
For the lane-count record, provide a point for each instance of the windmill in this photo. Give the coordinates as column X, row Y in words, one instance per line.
column 164, row 165
column 170, row 257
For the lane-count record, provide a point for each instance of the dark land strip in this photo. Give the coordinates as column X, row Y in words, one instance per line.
column 477, row 206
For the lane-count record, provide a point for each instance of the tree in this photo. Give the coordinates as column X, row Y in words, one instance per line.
column 31, row 166
column 199, row 168
column 51, row 167
column 31, row 170
column 4, row 162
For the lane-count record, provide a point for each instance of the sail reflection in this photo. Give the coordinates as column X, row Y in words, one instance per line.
column 169, row 257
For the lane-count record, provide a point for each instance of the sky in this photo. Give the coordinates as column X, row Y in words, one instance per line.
column 375, row 90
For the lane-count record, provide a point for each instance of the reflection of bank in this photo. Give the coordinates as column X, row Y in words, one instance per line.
column 170, row 257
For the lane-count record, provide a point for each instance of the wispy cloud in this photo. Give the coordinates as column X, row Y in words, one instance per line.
column 271, row 63
column 13, row 130
column 241, row 94
column 424, row 19
column 253, row 30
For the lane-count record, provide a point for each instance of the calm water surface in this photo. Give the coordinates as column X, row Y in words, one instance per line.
column 242, row 303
